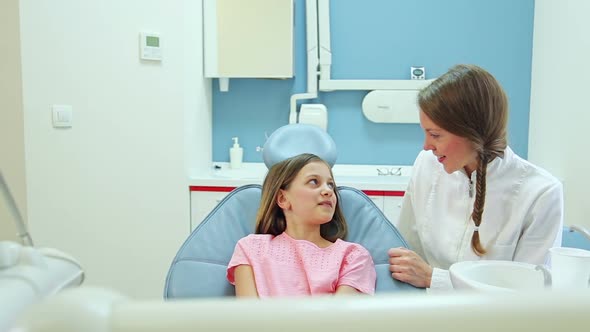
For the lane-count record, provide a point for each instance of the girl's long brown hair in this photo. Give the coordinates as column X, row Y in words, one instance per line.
column 271, row 219
column 468, row 101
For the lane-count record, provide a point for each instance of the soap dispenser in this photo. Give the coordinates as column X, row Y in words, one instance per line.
column 235, row 154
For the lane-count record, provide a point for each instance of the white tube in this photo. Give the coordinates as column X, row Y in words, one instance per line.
column 324, row 39
column 333, row 85
column 311, row 19
column 312, row 60
column 22, row 231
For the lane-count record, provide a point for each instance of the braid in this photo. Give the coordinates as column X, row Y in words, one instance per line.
column 480, row 197
column 469, row 102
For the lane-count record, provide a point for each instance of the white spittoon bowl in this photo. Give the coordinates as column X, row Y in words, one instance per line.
column 496, row 276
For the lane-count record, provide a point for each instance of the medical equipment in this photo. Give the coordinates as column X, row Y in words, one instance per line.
column 29, row 274
column 7, row 197
column 570, row 268
column 575, row 236
column 98, row 310
column 389, row 101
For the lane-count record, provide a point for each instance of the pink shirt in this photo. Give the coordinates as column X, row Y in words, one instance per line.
column 284, row 266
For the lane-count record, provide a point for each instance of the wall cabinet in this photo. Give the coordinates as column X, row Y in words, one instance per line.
column 389, row 205
column 203, row 202
column 248, row 38
column 392, row 206
column 378, row 200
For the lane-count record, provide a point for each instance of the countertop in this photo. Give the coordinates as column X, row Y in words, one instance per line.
column 363, row 177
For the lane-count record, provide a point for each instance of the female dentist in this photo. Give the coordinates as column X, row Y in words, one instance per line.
column 465, row 167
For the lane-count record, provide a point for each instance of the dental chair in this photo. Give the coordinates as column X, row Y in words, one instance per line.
column 576, row 237
column 199, row 268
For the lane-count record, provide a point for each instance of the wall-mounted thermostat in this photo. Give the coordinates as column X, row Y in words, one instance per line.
column 150, row 46
column 417, row 73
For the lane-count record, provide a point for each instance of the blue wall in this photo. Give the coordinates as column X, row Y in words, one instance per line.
column 381, row 39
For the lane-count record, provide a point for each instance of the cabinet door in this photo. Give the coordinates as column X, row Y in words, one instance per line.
column 378, row 200
column 203, row 202
column 392, row 206
column 248, row 38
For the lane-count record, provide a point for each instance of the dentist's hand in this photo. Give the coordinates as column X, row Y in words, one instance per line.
column 409, row 267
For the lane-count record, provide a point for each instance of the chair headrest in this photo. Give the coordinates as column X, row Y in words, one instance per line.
column 294, row 139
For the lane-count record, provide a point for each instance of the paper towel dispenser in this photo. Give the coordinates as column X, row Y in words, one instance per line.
column 392, row 106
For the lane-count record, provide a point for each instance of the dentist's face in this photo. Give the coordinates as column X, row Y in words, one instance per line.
column 454, row 152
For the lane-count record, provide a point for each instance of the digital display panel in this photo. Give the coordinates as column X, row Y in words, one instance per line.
column 152, row 41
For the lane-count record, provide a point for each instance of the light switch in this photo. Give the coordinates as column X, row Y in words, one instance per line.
column 62, row 116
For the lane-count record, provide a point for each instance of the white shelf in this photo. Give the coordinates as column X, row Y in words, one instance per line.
column 333, row 85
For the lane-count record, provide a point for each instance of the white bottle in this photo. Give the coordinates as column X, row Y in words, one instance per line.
column 235, row 155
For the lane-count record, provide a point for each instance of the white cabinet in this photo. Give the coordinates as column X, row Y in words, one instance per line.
column 248, row 38
column 378, row 200
column 203, row 202
column 389, row 205
column 392, row 206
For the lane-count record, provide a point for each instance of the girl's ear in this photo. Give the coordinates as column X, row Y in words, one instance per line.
column 282, row 200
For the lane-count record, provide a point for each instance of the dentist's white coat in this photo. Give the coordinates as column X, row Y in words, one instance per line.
column 522, row 218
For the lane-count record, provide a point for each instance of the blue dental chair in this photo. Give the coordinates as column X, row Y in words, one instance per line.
column 199, row 268
column 575, row 237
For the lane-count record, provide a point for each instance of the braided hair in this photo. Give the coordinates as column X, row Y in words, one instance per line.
column 468, row 101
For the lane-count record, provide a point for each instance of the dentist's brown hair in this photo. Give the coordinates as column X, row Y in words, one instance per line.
column 468, row 101
column 271, row 219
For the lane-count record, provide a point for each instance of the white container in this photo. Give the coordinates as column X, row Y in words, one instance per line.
column 392, row 106
column 314, row 114
column 9, row 254
column 236, row 153
column 570, row 267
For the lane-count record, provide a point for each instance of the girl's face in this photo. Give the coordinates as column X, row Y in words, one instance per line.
column 453, row 151
column 310, row 198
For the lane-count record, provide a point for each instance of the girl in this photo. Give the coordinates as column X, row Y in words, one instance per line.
column 298, row 247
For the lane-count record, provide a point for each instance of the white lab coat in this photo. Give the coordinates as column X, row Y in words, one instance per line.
column 522, row 218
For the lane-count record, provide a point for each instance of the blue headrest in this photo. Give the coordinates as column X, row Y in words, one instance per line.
column 574, row 237
column 294, row 139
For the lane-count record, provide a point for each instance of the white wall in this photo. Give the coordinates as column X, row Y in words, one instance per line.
column 12, row 150
column 560, row 113
column 112, row 190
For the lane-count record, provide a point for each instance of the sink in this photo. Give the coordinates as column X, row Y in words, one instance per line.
column 496, row 276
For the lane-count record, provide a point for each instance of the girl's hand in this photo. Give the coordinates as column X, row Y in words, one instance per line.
column 409, row 267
